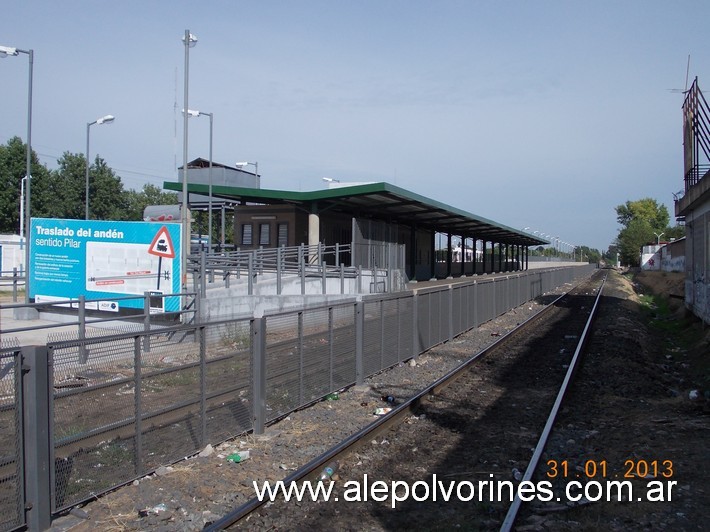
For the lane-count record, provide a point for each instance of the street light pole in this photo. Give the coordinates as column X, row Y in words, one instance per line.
column 103, row 120
column 256, row 170
column 190, row 112
column 658, row 238
column 189, row 41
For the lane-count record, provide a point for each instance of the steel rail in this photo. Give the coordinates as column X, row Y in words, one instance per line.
column 395, row 417
column 542, row 442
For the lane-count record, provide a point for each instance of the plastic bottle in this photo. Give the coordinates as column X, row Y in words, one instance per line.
column 328, row 471
column 238, row 457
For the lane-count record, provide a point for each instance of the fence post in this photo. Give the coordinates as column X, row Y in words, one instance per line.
column 203, row 273
column 251, row 275
column 278, row 271
column 325, row 291
column 475, row 304
column 83, row 350
column 301, row 365
column 342, row 278
column 302, row 268
column 14, row 284
column 146, row 321
column 415, row 326
column 203, row 387
column 451, row 313
column 359, row 332
column 259, row 374
column 331, row 354
column 382, row 333
column 337, row 253
column 138, row 408
column 36, row 416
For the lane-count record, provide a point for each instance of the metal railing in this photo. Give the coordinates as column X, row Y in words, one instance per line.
column 13, row 279
column 144, row 398
column 304, row 262
column 696, row 125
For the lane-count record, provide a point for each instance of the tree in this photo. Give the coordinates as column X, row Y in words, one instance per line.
column 65, row 192
column 109, row 200
column 642, row 220
column 150, row 195
column 644, row 209
column 13, row 167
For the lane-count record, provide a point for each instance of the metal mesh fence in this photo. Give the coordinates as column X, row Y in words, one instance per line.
column 136, row 403
column 287, row 362
column 343, row 346
column 372, row 337
column 11, row 467
column 390, row 336
column 229, row 407
column 123, row 404
column 405, row 327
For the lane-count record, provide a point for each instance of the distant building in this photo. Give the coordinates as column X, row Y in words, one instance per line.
column 666, row 256
column 673, row 256
column 12, row 254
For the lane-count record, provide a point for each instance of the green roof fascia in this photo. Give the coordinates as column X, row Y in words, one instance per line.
column 285, row 195
column 338, row 192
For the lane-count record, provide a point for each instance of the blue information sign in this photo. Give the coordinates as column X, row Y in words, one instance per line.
column 104, row 260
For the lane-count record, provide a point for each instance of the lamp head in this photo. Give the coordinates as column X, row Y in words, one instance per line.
column 192, row 112
column 106, row 119
column 8, row 50
column 192, row 41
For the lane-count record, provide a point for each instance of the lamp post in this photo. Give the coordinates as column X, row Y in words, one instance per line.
column 189, row 41
column 190, row 113
column 22, row 209
column 658, row 238
column 4, row 52
column 256, row 169
column 103, row 120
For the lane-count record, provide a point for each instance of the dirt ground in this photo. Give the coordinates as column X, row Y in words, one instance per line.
column 640, row 405
column 641, row 395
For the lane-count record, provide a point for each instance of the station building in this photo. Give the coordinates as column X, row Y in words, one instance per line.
column 384, row 226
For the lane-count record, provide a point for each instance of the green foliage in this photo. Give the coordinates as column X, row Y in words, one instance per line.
column 61, row 193
column 588, row 254
column 150, row 195
column 646, row 209
column 642, row 220
column 632, row 238
column 13, row 167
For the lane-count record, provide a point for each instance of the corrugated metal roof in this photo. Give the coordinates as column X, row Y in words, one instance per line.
column 381, row 201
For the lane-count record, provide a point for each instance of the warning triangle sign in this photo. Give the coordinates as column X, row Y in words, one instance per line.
column 162, row 245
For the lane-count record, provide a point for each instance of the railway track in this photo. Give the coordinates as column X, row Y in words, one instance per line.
column 475, row 427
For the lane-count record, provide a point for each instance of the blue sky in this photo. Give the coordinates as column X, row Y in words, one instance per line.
column 540, row 114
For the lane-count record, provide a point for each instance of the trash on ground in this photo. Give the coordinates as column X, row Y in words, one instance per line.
column 328, row 471
column 238, row 457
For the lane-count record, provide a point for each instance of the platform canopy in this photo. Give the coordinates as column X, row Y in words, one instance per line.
column 381, row 201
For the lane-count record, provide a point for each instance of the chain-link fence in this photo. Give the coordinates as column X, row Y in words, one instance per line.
column 11, row 458
column 140, row 399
